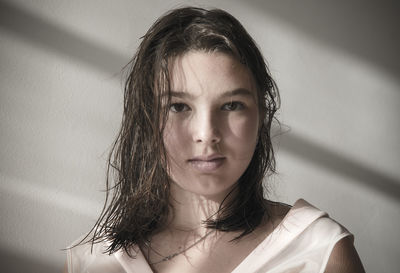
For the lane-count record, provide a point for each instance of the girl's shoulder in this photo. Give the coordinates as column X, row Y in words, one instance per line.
column 302, row 237
column 302, row 215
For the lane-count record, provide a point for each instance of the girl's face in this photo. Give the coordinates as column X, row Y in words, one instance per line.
column 212, row 127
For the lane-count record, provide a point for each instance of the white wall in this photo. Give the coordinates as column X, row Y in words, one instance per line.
column 337, row 67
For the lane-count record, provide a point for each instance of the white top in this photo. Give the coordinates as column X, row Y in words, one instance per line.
column 301, row 243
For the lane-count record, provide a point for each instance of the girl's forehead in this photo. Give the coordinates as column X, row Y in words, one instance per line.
column 197, row 71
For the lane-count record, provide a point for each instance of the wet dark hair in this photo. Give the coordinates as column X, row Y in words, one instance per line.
column 139, row 204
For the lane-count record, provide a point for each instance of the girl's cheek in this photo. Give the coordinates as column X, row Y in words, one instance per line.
column 244, row 126
column 174, row 133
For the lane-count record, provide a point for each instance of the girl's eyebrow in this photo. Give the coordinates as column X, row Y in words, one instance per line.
column 180, row 94
column 238, row 92
column 235, row 92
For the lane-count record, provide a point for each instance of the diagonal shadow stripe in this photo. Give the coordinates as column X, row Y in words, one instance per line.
column 59, row 40
column 333, row 161
column 13, row 262
column 366, row 29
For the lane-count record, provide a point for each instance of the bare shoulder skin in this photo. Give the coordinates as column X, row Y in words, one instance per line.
column 344, row 258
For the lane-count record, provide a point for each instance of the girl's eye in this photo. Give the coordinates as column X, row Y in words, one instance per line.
column 179, row 107
column 233, row 106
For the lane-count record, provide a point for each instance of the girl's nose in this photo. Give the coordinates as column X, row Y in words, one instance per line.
column 205, row 129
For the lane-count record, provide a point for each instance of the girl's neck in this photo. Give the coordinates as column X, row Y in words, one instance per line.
column 190, row 210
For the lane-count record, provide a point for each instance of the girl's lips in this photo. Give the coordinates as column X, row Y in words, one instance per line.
column 207, row 166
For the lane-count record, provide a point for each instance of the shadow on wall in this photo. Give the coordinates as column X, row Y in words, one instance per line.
column 328, row 159
column 67, row 43
column 367, row 29
column 59, row 40
column 17, row 263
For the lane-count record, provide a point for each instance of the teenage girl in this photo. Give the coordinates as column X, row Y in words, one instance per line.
column 190, row 160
